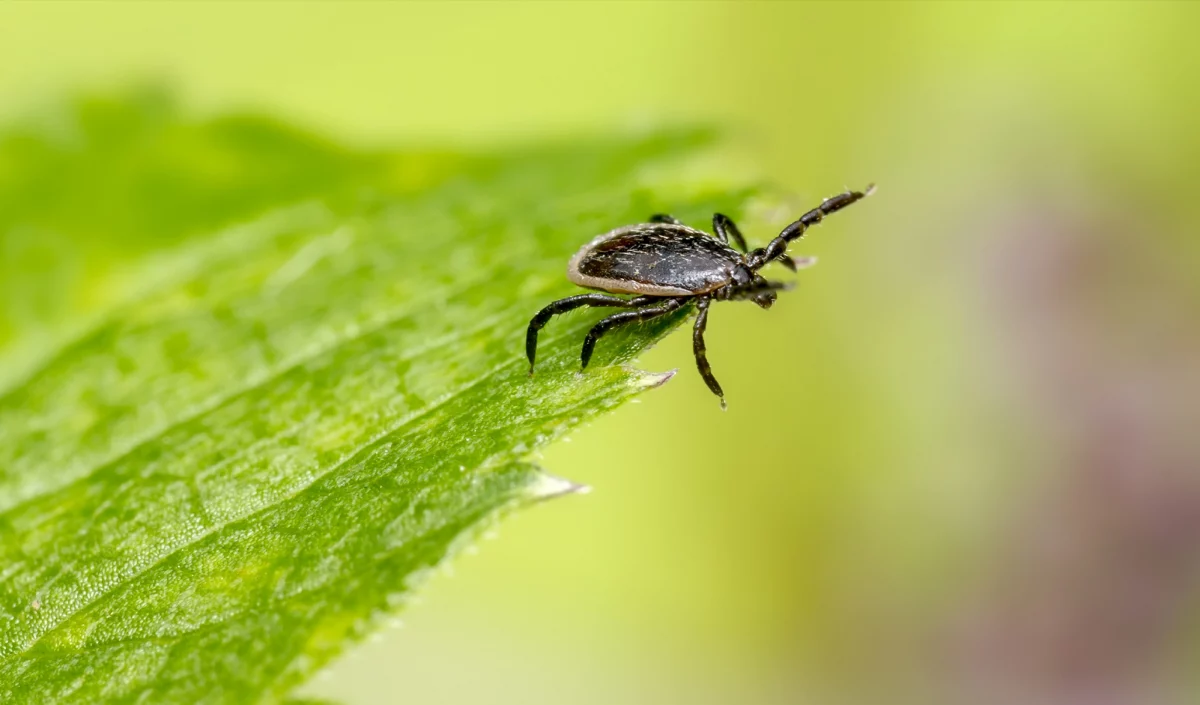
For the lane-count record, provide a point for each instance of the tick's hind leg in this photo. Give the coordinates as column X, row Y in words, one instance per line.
column 699, row 350
column 725, row 229
column 619, row 319
column 568, row 304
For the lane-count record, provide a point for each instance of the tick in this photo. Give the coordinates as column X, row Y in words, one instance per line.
column 665, row 264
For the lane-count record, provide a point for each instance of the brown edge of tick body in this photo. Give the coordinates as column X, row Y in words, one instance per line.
column 665, row 265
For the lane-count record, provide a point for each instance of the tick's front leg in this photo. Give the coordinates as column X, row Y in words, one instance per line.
column 726, row 229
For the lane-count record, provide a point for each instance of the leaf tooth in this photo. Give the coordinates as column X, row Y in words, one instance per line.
column 652, row 380
column 548, row 486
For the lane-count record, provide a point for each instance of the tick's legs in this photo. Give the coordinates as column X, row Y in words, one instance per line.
column 699, row 349
column 725, row 229
column 778, row 246
column 796, row 263
column 618, row 319
column 568, row 304
column 664, row 218
column 751, row 290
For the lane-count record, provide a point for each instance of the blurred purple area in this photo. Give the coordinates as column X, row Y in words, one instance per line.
column 1099, row 569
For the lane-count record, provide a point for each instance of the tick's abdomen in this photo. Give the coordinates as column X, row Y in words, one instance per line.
column 655, row 259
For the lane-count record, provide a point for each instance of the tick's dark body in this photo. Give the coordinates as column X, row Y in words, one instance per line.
column 667, row 264
column 660, row 259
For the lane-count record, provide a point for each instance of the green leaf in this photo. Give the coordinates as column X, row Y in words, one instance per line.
column 256, row 384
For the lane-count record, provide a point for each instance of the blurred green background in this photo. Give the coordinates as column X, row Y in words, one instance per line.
column 960, row 463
